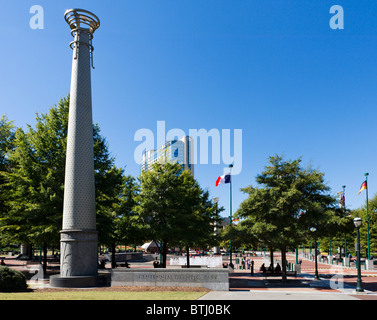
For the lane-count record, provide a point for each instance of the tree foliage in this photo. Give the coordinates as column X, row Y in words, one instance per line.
column 174, row 209
column 35, row 180
column 7, row 136
column 289, row 201
column 372, row 217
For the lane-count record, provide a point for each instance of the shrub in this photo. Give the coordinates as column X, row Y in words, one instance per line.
column 11, row 280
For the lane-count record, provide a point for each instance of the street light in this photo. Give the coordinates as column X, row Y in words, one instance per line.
column 313, row 230
column 357, row 222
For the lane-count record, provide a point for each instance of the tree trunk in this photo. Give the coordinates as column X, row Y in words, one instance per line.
column 44, row 259
column 113, row 263
column 30, row 251
column 164, row 252
column 284, row 264
column 272, row 257
column 188, row 256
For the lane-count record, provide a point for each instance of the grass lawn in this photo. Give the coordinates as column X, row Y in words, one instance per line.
column 92, row 294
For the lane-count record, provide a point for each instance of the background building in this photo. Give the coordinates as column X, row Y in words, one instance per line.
column 180, row 151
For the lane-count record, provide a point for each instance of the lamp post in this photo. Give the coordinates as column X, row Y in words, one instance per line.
column 357, row 222
column 316, row 276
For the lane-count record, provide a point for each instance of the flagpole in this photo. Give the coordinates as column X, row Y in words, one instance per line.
column 366, row 179
column 344, row 208
column 230, row 212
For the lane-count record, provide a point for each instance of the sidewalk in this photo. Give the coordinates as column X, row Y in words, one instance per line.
column 336, row 283
column 275, row 295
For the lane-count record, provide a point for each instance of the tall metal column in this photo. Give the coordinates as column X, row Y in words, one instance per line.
column 78, row 237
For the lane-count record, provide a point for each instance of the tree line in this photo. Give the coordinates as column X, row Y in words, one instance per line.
column 166, row 205
column 291, row 206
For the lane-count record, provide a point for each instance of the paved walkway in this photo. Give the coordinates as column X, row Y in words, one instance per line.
column 336, row 282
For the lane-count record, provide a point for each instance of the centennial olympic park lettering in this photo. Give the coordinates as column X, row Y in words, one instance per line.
column 175, row 277
column 221, row 144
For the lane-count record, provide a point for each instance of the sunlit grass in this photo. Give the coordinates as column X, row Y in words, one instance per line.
column 101, row 295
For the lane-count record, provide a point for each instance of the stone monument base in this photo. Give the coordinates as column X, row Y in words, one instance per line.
column 79, row 253
column 56, row 281
column 210, row 278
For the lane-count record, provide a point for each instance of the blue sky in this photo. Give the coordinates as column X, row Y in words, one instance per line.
column 273, row 68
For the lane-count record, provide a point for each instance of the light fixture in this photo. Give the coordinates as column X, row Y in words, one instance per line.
column 357, row 222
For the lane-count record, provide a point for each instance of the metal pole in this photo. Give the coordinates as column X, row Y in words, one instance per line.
column 344, row 208
column 230, row 212
column 310, row 249
column 367, row 220
column 316, row 262
column 359, row 282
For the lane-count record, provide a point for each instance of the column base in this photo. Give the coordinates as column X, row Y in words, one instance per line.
column 78, row 253
column 56, row 281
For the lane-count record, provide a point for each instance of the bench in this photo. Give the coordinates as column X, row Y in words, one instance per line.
column 279, row 274
column 122, row 264
column 193, row 266
column 31, row 262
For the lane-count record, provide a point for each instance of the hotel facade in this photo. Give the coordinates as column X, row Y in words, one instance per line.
column 176, row 151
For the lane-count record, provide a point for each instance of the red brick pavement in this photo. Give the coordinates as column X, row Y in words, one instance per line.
column 242, row 280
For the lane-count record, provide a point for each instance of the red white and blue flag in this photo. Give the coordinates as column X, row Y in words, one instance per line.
column 225, row 178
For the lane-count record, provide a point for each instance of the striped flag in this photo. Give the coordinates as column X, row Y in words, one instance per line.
column 223, row 179
column 341, row 199
column 363, row 186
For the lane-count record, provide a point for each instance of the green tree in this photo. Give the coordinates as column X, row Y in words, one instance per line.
column 120, row 223
column 7, row 136
column 273, row 210
column 241, row 235
column 339, row 228
column 174, row 209
column 198, row 218
column 130, row 230
column 35, row 181
column 362, row 213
